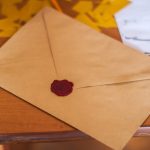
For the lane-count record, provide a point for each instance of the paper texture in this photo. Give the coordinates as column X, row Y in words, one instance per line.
column 133, row 23
column 110, row 99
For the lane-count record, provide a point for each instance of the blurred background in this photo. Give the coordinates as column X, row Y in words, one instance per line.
column 137, row 143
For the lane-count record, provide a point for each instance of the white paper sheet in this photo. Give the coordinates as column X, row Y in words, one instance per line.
column 134, row 25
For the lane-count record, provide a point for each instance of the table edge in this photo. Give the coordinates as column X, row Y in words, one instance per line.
column 56, row 136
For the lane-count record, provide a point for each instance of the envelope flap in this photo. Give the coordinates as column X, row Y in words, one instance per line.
column 25, row 60
column 89, row 58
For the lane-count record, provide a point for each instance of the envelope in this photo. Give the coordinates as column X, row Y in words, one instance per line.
column 108, row 96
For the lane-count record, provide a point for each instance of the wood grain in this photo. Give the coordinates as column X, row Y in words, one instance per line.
column 17, row 116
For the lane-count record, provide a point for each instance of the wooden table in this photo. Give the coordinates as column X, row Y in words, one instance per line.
column 22, row 122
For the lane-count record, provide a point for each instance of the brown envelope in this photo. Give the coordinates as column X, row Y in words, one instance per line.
column 111, row 93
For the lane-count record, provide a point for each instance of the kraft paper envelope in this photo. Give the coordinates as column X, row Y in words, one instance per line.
column 111, row 92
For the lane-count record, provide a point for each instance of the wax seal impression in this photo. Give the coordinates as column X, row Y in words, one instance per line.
column 62, row 87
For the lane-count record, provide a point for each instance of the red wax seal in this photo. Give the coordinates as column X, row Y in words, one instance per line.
column 62, row 87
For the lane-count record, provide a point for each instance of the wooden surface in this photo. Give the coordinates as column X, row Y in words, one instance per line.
column 18, row 118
